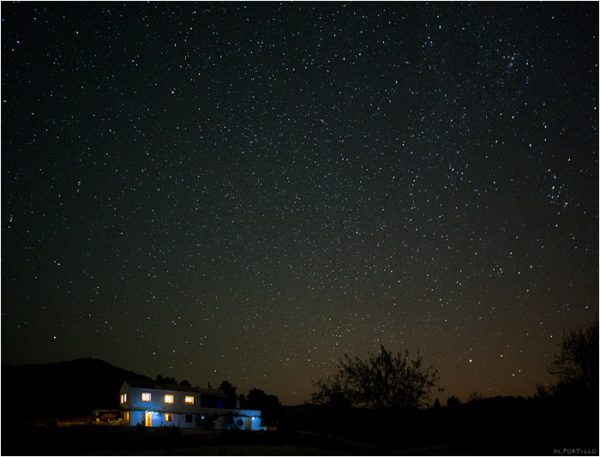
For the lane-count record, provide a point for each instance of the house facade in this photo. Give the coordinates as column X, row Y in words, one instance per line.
column 153, row 405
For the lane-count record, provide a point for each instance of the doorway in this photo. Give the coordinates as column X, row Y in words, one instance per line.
column 148, row 419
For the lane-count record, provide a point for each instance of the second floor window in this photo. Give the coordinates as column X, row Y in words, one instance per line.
column 189, row 399
column 146, row 397
column 123, row 398
column 169, row 398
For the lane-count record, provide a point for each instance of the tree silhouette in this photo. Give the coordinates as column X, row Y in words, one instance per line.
column 228, row 389
column 269, row 405
column 474, row 397
column 382, row 381
column 577, row 364
column 453, row 402
column 165, row 380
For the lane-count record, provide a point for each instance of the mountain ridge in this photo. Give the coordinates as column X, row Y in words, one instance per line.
column 63, row 389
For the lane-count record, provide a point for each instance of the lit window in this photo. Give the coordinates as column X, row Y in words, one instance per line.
column 146, row 397
column 168, row 417
column 189, row 399
column 123, row 398
column 169, row 398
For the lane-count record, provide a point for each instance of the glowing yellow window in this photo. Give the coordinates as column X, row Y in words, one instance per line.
column 189, row 399
column 169, row 398
column 123, row 398
column 146, row 396
column 168, row 417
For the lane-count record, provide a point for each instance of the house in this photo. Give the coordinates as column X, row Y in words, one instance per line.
column 155, row 405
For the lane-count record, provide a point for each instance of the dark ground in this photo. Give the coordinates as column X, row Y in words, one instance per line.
column 497, row 426
column 565, row 424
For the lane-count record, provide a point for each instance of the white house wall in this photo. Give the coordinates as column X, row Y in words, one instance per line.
column 136, row 418
column 248, row 419
column 157, row 403
column 158, row 420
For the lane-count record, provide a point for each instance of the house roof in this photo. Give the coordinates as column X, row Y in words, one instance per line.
column 177, row 388
column 211, row 392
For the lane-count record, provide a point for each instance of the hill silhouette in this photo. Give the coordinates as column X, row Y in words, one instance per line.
column 62, row 389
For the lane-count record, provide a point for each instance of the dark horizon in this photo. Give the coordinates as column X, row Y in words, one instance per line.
column 247, row 192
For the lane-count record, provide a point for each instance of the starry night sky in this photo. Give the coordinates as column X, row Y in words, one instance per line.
column 217, row 191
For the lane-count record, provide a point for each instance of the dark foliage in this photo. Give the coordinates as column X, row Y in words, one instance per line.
column 228, row 389
column 453, row 402
column 269, row 405
column 577, row 363
column 488, row 426
column 165, row 380
column 382, row 381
